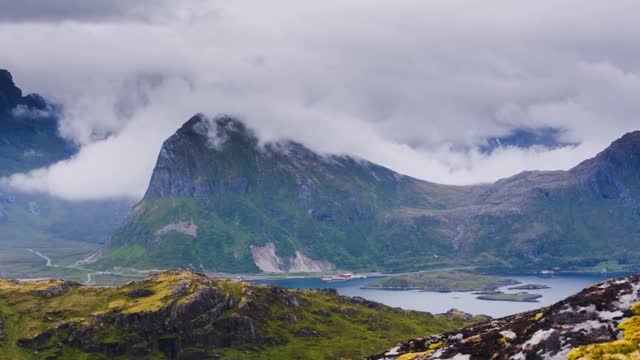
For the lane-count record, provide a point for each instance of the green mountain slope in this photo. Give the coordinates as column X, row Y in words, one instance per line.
column 184, row 315
column 222, row 206
column 219, row 200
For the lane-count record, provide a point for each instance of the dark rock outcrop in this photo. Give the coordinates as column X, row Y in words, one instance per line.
column 57, row 289
column 140, row 293
column 10, row 94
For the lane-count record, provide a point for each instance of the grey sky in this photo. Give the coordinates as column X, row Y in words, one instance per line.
column 16, row 11
column 418, row 86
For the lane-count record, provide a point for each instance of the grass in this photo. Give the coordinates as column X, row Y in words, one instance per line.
column 348, row 331
column 441, row 281
column 128, row 254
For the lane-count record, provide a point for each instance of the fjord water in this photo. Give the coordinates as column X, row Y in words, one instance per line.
column 561, row 286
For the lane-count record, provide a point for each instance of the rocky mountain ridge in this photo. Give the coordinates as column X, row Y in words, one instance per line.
column 270, row 207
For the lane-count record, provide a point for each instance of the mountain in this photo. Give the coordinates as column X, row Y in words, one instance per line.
column 65, row 230
column 601, row 322
column 185, row 315
column 28, row 130
column 220, row 200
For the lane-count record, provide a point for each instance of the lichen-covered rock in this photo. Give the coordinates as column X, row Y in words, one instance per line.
column 595, row 315
column 56, row 289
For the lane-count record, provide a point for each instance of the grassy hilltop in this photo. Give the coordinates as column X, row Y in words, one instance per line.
column 185, row 315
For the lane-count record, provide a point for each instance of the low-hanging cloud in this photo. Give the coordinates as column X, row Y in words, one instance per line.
column 416, row 86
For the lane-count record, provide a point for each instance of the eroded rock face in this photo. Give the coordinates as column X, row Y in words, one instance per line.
column 592, row 316
column 182, row 227
column 267, row 260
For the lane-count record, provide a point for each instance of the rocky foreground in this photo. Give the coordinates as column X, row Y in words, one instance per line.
column 186, row 315
column 601, row 322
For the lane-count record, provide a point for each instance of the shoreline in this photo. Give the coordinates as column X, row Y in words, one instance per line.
column 287, row 276
column 532, row 299
column 250, row 277
column 293, row 276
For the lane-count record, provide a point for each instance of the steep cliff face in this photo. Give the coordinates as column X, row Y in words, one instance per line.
column 184, row 315
column 601, row 322
column 247, row 199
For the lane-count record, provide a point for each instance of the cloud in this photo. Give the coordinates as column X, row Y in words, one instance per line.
column 420, row 87
column 86, row 10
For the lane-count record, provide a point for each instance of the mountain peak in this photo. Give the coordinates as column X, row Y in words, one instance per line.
column 10, row 94
column 623, row 152
column 217, row 130
column 629, row 141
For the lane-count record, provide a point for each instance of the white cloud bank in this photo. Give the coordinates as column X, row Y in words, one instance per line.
column 413, row 85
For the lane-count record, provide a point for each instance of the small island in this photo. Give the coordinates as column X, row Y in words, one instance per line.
column 440, row 282
column 487, row 292
column 519, row 297
column 530, row 287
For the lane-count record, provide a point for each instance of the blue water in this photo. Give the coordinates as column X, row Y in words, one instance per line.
column 561, row 286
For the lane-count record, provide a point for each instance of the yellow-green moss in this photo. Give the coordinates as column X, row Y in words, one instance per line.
column 411, row 356
column 537, row 317
column 616, row 350
column 620, row 349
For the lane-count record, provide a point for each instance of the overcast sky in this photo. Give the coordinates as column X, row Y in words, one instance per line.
column 418, row 86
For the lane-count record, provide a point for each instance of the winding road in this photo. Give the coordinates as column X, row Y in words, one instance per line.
column 90, row 275
column 46, row 258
